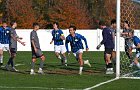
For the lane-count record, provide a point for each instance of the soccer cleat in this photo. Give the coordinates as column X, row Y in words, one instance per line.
column 32, row 73
column 41, row 72
column 14, row 69
column 59, row 57
column 109, row 71
column 80, row 72
column 87, row 62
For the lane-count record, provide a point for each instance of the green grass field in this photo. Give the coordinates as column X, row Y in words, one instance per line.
column 59, row 77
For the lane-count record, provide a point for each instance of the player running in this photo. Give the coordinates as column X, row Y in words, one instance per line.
column 76, row 44
column 4, row 40
column 36, row 50
column 59, row 46
column 13, row 45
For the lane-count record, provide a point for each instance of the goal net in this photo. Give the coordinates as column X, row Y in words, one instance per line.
column 130, row 11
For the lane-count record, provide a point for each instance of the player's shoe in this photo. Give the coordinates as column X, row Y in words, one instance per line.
column 87, row 62
column 80, row 72
column 59, row 57
column 41, row 72
column 109, row 71
column 32, row 72
column 131, row 65
column 14, row 69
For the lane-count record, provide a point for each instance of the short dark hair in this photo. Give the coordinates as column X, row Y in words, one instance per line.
column 35, row 24
column 12, row 22
column 101, row 23
column 4, row 22
column 113, row 21
column 74, row 27
column 56, row 24
column 127, row 22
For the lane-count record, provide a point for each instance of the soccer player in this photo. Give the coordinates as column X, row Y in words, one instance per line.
column 108, row 42
column 4, row 40
column 36, row 51
column 128, row 40
column 13, row 45
column 76, row 44
column 59, row 47
column 136, row 42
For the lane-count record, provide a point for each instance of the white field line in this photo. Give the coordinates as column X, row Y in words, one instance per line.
column 41, row 88
column 102, row 83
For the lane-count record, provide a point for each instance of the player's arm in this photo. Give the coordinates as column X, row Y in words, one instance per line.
column 62, row 35
column 85, row 41
column 32, row 41
column 66, row 45
column 52, row 38
column 16, row 38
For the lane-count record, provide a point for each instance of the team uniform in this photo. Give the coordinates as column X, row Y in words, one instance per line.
column 4, row 38
column 108, row 40
column 109, row 45
column 76, row 44
column 34, row 37
column 77, row 47
column 136, row 41
column 128, row 41
column 58, row 42
column 13, row 43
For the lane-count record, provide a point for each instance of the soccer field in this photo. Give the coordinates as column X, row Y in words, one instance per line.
column 59, row 77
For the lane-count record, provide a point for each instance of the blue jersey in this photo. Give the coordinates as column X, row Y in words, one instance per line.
column 56, row 37
column 75, row 42
column 136, row 41
column 4, row 35
column 108, row 39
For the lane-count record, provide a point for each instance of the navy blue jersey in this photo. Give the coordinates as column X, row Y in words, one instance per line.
column 56, row 37
column 75, row 42
column 4, row 35
column 136, row 41
column 108, row 40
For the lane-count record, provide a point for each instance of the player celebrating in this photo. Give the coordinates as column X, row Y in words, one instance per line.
column 13, row 45
column 75, row 40
column 136, row 42
column 36, row 51
column 4, row 40
column 128, row 40
column 108, row 41
column 59, row 46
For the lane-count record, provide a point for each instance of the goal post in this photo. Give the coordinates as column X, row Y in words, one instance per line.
column 126, row 10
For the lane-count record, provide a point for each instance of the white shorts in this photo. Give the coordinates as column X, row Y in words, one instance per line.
column 4, row 46
column 76, row 54
column 60, row 48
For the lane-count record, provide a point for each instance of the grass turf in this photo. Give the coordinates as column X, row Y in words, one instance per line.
column 60, row 77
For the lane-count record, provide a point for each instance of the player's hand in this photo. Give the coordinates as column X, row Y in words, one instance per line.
column 51, row 42
column 23, row 43
column 98, row 47
column 87, row 49
column 62, row 37
column 20, row 38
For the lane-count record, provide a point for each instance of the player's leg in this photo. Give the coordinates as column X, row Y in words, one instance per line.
column 80, row 62
column 57, row 51
column 1, row 54
column 135, row 62
column 109, row 68
column 11, row 59
column 32, row 72
column 63, row 51
column 42, row 57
